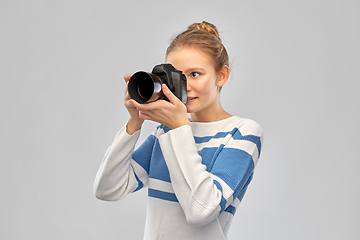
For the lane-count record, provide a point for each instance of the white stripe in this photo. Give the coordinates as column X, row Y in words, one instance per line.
column 139, row 171
column 158, row 132
column 214, row 142
column 235, row 203
column 213, row 128
column 160, row 185
column 250, row 127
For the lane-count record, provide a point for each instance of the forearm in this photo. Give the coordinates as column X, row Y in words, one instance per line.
column 115, row 177
column 204, row 191
column 193, row 185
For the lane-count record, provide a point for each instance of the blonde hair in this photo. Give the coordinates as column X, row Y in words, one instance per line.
column 205, row 36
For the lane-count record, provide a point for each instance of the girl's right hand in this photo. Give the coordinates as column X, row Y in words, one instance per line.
column 135, row 122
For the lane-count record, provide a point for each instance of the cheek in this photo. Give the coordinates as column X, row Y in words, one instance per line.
column 204, row 86
column 208, row 87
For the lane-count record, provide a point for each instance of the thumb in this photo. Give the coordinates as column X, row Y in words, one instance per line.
column 170, row 95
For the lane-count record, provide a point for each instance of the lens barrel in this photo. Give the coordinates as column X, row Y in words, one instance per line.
column 145, row 87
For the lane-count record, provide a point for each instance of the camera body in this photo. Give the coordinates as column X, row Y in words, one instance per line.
column 145, row 87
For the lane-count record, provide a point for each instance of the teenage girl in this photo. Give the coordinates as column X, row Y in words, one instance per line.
column 197, row 170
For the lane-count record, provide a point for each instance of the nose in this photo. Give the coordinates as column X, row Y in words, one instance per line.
column 188, row 88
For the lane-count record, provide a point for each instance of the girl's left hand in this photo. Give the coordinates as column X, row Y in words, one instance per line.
column 172, row 114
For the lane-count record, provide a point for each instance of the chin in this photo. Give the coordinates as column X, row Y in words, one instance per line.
column 189, row 110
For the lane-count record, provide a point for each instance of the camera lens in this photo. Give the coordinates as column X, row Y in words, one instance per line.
column 145, row 87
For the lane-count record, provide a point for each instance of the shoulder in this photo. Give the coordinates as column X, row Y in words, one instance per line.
column 250, row 131
column 226, row 126
column 249, row 127
column 246, row 126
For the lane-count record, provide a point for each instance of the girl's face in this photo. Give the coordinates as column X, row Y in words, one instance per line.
column 202, row 79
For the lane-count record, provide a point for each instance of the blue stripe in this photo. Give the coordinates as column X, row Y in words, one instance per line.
column 209, row 156
column 162, row 195
column 150, row 151
column 208, row 138
column 241, row 191
column 234, row 168
column 163, row 127
column 158, row 167
column 140, row 184
column 231, row 209
column 236, row 135
column 143, row 154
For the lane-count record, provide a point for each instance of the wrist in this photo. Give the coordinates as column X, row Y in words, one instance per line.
column 179, row 124
column 133, row 125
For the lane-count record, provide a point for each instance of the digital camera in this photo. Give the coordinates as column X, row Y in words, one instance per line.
column 145, row 87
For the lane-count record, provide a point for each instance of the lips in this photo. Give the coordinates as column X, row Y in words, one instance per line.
column 189, row 99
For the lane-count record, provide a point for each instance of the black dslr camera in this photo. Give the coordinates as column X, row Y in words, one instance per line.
column 146, row 87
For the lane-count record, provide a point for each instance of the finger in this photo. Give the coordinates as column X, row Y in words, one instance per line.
column 134, row 103
column 143, row 106
column 126, row 100
column 140, row 107
column 144, row 116
column 170, row 95
column 126, row 89
column 128, row 76
column 127, row 79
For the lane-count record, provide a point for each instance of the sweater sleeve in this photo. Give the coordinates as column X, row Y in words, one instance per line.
column 119, row 174
column 205, row 191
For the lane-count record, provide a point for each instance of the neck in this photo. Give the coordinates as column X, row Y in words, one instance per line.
column 216, row 114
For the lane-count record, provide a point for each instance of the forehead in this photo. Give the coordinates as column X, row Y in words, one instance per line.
column 183, row 58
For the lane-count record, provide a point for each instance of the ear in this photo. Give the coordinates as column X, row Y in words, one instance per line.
column 223, row 76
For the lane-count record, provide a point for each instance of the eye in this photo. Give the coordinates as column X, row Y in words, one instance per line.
column 195, row 74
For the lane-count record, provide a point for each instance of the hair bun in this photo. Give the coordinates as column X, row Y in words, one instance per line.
column 207, row 27
column 204, row 36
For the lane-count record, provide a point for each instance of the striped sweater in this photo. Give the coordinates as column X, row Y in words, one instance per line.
column 196, row 175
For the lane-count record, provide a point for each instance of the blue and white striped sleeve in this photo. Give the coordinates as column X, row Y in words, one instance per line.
column 234, row 165
column 123, row 170
column 204, row 191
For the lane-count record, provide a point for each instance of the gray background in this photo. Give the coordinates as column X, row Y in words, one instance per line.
column 295, row 68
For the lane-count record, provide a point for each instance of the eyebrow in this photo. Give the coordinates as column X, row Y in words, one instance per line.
column 195, row 69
